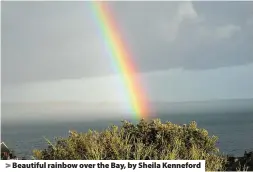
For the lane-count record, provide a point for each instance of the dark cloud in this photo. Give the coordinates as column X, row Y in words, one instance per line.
column 60, row 40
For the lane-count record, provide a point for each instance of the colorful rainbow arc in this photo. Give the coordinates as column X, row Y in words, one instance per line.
column 121, row 57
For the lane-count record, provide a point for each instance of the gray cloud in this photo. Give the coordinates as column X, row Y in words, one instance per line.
column 193, row 39
column 60, row 40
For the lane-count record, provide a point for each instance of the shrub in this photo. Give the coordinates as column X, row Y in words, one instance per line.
column 147, row 140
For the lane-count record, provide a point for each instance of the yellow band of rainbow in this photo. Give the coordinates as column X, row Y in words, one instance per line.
column 121, row 58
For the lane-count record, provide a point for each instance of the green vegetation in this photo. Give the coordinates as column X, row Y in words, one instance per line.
column 147, row 140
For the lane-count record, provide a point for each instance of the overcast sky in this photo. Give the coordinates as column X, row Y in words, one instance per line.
column 184, row 51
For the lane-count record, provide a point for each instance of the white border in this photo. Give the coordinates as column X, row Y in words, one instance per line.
column 128, row 0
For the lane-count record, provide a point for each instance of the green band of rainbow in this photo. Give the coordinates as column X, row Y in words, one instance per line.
column 121, row 58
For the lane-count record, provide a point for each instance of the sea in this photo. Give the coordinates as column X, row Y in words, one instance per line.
column 235, row 131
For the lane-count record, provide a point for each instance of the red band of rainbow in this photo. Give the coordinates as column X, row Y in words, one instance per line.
column 121, row 57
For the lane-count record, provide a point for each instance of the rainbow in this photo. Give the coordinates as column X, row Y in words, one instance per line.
column 122, row 59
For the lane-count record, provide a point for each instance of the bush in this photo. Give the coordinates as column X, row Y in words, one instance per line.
column 147, row 140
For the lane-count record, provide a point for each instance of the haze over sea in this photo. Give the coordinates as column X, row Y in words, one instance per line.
column 230, row 120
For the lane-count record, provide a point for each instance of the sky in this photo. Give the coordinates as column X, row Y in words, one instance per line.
column 184, row 51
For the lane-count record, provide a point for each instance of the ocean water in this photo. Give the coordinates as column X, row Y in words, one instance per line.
column 235, row 131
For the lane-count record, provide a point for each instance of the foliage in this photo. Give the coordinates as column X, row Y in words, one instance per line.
column 147, row 140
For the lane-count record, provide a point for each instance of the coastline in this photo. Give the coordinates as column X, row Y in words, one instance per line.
column 243, row 163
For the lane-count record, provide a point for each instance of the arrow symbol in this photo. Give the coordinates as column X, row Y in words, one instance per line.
column 7, row 165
